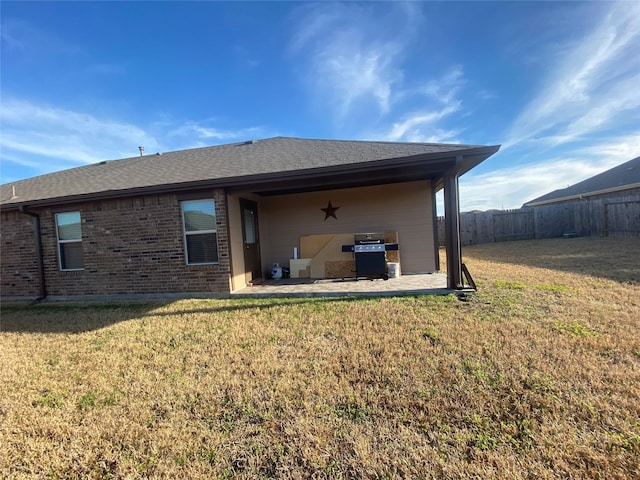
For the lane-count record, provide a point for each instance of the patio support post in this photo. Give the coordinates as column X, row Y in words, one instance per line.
column 434, row 217
column 453, row 244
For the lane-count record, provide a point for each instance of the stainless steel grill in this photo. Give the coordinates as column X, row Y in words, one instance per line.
column 369, row 251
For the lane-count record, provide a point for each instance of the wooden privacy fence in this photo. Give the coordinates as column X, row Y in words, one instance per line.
column 594, row 217
column 493, row 226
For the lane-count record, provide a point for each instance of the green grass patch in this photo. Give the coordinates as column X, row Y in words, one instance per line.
column 50, row 399
column 574, row 328
column 509, row 284
column 552, row 288
column 431, row 334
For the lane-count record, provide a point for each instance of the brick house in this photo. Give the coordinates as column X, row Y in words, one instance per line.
column 210, row 220
column 603, row 205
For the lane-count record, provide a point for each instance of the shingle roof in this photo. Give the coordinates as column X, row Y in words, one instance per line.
column 622, row 177
column 220, row 163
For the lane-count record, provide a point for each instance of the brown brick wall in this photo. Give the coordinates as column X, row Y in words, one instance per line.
column 131, row 246
column 18, row 261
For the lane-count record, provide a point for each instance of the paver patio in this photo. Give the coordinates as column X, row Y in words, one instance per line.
column 434, row 283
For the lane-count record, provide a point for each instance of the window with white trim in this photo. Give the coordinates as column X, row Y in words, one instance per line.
column 200, row 233
column 69, row 234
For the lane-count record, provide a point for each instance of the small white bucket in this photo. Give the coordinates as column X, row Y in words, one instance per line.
column 394, row 269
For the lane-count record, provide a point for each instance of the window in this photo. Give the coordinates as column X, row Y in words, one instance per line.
column 69, row 234
column 200, row 237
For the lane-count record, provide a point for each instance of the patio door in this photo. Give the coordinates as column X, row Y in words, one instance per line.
column 250, row 240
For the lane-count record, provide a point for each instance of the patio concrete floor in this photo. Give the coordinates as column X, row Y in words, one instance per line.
column 433, row 283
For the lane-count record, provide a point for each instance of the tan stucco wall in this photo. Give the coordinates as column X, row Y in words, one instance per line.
column 236, row 244
column 404, row 208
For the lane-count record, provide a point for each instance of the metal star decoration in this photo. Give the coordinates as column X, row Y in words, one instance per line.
column 330, row 211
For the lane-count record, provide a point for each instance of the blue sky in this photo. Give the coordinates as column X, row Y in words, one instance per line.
column 556, row 83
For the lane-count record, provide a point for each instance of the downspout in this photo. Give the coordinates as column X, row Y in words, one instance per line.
column 40, row 255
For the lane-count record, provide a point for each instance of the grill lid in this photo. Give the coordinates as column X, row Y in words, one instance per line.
column 368, row 238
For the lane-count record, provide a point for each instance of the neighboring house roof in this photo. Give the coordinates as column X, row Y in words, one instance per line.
column 622, row 177
column 273, row 164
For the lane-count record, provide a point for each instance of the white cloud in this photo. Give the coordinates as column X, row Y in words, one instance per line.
column 591, row 89
column 445, row 89
column 45, row 138
column 353, row 55
column 435, row 135
column 194, row 131
column 511, row 187
column 314, row 22
column 603, row 110
column 18, row 160
column 414, row 126
column 442, row 98
column 617, row 149
column 76, row 138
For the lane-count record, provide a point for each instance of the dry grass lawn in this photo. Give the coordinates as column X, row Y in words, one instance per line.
column 536, row 376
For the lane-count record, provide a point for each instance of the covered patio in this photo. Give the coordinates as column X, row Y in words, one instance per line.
column 373, row 191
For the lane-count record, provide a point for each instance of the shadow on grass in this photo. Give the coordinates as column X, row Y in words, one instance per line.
column 612, row 258
column 70, row 317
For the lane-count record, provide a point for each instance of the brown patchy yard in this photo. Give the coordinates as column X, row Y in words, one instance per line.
column 536, row 376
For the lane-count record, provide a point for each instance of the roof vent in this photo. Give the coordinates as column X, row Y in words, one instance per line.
column 13, row 193
column 158, row 153
column 249, row 142
column 141, row 150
